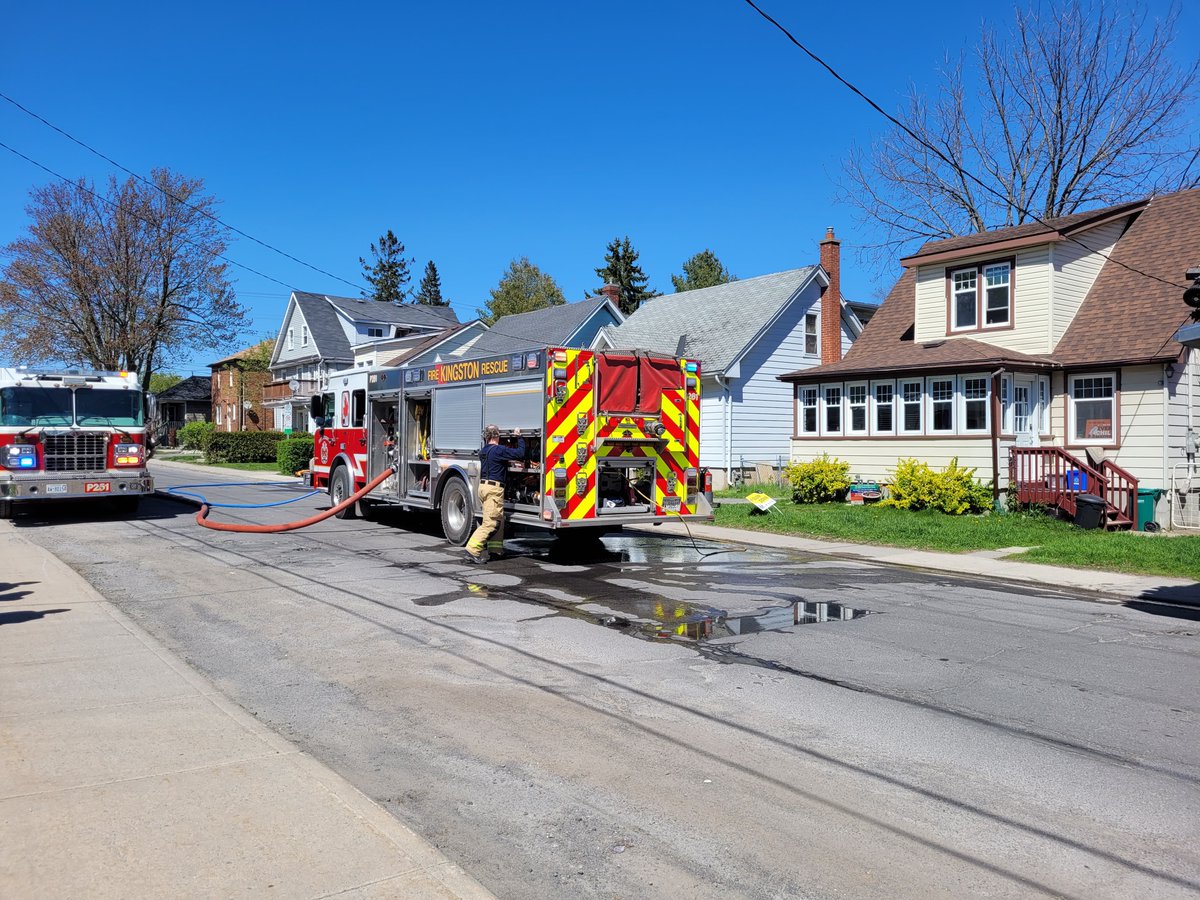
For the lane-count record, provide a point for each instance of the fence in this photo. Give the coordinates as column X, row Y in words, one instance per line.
column 1185, row 497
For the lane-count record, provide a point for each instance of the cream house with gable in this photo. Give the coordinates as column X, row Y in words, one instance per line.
column 1034, row 354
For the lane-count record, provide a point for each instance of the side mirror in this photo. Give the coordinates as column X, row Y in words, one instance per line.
column 316, row 407
column 319, row 421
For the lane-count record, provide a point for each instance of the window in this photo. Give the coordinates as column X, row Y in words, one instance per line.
column 883, row 399
column 303, row 335
column 965, row 299
column 833, row 409
column 358, row 408
column 1006, row 410
column 808, row 410
column 1093, row 408
column 941, row 405
column 231, row 376
column 374, row 332
column 997, row 294
column 975, row 403
column 1044, row 394
column 856, row 403
column 217, row 413
column 912, row 394
column 291, row 338
column 810, row 334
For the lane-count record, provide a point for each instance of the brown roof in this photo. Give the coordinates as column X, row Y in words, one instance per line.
column 1029, row 230
column 1126, row 317
column 432, row 341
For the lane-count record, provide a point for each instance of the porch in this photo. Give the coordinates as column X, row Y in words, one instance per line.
column 1051, row 476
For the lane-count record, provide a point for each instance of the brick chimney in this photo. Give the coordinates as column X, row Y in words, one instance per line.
column 831, row 300
column 612, row 292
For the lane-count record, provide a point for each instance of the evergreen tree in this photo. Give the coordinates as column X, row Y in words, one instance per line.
column 701, row 271
column 388, row 273
column 621, row 268
column 523, row 288
column 430, row 292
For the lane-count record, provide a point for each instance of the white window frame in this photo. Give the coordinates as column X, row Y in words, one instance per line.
column 985, row 269
column 291, row 338
column 963, row 399
column 930, row 401
column 1072, row 439
column 865, row 406
column 825, row 429
column 217, row 414
column 954, row 294
column 813, row 332
column 374, row 331
column 231, row 376
column 815, row 407
column 875, row 405
column 1006, row 404
column 902, row 405
column 303, row 335
column 1044, row 403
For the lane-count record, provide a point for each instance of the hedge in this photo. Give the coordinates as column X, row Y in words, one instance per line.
column 195, row 435
column 294, row 454
column 243, row 446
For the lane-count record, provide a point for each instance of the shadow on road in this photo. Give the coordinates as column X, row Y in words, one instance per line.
column 66, row 512
column 27, row 615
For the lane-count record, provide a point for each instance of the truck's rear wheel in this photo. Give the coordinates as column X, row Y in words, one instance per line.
column 340, row 487
column 457, row 515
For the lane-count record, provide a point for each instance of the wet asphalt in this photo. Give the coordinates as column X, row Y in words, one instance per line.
column 653, row 716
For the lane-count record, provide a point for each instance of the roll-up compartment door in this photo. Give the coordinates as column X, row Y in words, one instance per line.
column 656, row 376
column 458, row 418
column 616, row 382
column 514, row 404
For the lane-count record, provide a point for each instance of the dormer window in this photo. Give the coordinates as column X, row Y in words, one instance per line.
column 979, row 297
column 374, row 331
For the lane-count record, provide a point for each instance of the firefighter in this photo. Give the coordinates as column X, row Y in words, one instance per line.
column 493, row 465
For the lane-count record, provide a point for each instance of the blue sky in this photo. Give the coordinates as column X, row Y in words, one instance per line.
column 478, row 132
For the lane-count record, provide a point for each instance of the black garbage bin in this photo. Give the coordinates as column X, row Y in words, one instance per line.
column 1089, row 510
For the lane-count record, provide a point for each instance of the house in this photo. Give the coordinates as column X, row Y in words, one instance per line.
column 1044, row 356
column 575, row 324
column 418, row 348
column 320, row 334
column 237, row 391
column 189, row 400
column 745, row 334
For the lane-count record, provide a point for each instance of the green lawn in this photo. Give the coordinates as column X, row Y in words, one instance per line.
column 741, row 490
column 198, row 459
column 1058, row 543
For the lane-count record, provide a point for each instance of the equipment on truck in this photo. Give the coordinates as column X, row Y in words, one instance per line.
column 72, row 433
column 612, row 439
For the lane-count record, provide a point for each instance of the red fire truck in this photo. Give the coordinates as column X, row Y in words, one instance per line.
column 611, row 438
column 70, row 434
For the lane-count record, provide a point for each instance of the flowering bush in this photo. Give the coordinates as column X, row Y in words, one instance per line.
column 819, row 480
column 954, row 490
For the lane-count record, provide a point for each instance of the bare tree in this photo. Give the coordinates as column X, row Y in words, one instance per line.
column 1075, row 107
column 118, row 280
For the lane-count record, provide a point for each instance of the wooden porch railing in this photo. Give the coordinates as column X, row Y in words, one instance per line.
column 281, row 390
column 1054, row 477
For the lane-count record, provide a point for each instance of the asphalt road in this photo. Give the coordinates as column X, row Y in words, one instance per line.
column 641, row 721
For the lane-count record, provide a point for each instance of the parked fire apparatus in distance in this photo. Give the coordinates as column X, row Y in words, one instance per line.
column 71, row 434
column 611, row 439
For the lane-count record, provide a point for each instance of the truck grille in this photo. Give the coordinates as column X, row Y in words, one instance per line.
column 86, row 452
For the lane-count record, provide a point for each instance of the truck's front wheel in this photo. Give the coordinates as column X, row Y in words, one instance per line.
column 340, row 487
column 457, row 516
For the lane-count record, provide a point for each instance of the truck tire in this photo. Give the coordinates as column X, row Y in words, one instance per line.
column 341, row 487
column 458, row 516
column 368, row 510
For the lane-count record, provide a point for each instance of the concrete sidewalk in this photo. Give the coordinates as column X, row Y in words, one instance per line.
column 123, row 773
column 1115, row 586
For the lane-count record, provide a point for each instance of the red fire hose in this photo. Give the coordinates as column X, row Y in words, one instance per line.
column 202, row 515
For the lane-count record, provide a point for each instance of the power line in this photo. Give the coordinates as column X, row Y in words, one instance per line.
column 168, row 194
column 940, row 155
column 83, row 187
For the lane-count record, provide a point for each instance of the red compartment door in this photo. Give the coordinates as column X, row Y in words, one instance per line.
column 657, row 375
column 616, row 382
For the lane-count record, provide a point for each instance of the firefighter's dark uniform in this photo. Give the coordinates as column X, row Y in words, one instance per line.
column 493, row 460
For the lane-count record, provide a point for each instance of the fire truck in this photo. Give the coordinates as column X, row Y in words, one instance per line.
column 71, row 434
column 611, row 439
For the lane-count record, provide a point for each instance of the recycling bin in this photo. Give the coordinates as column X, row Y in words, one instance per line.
column 1147, row 500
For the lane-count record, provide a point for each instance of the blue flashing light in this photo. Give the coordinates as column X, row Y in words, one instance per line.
column 691, row 367
column 27, row 462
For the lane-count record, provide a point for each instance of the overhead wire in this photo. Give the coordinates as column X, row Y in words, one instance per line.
column 936, row 151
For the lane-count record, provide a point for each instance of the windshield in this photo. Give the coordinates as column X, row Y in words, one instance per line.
column 100, row 407
column 35, row 406
column 42, row 406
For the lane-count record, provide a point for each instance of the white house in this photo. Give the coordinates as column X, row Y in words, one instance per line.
column 746, row 334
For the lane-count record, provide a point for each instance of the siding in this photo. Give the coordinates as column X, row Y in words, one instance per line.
column 712, row 424
column 1031, row 302
column 875, row 460
column 1075, row 271
column 1143, row 423
column 1178, row 403
column 294, row 320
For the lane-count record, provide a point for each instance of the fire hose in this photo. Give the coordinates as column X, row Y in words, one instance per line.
column 202, row 515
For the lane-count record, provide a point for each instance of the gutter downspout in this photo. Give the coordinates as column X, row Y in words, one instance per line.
column 997, row 413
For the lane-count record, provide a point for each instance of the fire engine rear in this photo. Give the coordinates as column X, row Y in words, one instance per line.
column 71, row 434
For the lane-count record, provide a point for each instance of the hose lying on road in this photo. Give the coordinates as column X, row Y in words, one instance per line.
column 202, row 515
column 181, row 490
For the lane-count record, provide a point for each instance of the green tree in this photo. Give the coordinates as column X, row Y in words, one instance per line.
column 430, row 292
column 621, row 268
column 388, row 272
column 523, row 287
column 258, row 357
column 160, row 381
column 701, row 271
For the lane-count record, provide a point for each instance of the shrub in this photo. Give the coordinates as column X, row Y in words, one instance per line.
column 243, row 446
column 954, row 490
column 294, row 454
column 818, row 481
column 195, row 435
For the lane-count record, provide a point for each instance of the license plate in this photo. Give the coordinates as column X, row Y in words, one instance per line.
column 56, row 489
column 97, row 487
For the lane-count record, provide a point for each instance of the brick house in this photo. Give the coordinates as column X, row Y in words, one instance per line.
column 237, row 392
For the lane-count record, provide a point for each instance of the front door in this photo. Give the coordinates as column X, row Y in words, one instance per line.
column 1026, row 411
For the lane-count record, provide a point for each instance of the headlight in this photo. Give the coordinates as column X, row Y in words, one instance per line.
column 129, row 454
column 19, row 456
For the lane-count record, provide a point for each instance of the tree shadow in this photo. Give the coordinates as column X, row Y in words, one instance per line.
column 8, row 590
column 1172, row 601
column 27, row 615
